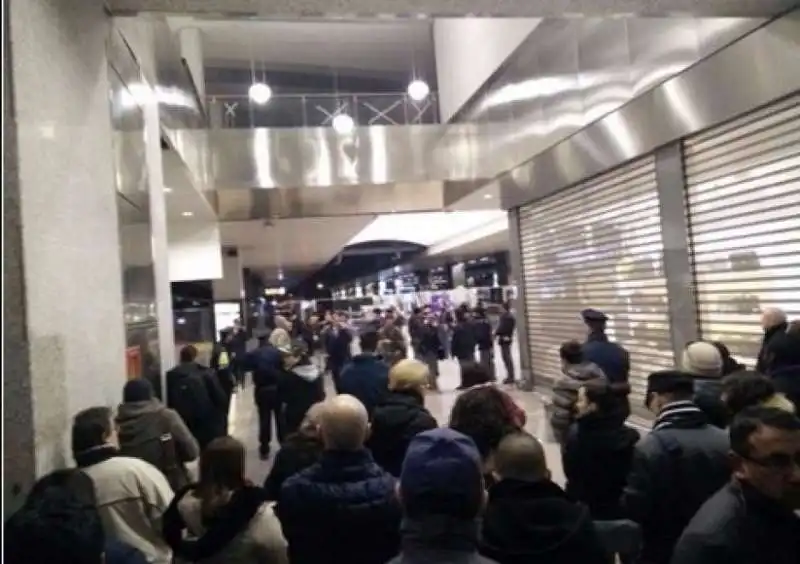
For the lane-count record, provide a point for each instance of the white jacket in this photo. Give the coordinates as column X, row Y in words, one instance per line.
column 132, row 495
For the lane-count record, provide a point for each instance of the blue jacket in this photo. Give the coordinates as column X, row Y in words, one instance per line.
column 265, row 362
column 612, row 358
column 367, row 378
column 342, row 509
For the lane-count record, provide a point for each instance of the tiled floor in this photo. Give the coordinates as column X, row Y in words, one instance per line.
column 244, row 422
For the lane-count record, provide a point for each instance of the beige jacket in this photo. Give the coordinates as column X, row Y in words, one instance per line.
column 132, row 496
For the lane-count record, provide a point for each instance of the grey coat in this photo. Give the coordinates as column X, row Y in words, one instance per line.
column 565, row 395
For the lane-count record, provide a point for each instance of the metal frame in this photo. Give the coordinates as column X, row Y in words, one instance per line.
column 520, row 304
column 677, row 258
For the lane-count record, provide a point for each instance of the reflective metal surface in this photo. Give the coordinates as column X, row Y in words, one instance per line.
column 349, row 9
column 319, row 110
column 570, row 72
column 761, row 67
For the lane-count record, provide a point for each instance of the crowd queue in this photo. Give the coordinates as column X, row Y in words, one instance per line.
column 368, row 476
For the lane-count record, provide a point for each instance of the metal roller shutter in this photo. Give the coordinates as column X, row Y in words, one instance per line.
column 598, row 245
column 743, row 183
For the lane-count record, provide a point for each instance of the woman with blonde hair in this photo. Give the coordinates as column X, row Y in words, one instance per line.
column 223, row 518
column 400, row 415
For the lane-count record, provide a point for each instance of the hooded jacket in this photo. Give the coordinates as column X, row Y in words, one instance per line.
column 367, row 378
column 299, row 387
column 529, row 522
column 596, row 460
column 299, row 451
column 244, row 531
column 156, row 434
column 438, row 539
column 396, row 420
column 681, row 463
column 565, row 395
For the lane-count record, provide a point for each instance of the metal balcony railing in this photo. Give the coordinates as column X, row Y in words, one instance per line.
column 318, row 110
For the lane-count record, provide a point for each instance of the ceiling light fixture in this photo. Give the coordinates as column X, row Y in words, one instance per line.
column 168, row 190
column 343, row 124
column 487, row 196
column 320, row 286
column 260, row 93
column 418, row 90
column 187, row 214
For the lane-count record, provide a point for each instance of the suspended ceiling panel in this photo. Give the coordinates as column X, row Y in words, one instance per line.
column 508, row 8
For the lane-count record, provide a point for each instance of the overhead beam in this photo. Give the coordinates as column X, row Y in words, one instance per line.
column 350, row 9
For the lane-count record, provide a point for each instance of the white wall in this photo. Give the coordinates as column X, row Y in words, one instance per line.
column 469, row 50
column 230, row 286
column 194, row 251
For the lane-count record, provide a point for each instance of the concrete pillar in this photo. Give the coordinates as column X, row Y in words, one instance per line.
column 64, row 343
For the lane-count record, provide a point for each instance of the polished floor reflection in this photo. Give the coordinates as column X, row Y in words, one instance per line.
column 244, row 422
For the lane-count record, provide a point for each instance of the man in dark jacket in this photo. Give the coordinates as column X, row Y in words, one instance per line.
column 237, row 348
column 484, row 341
column 612, row 358
column 784, row 356
column 752, row 519
column 675, row 468
column 337, row 345
column 441, row 490
column 463, row 344
column 366, row 377
column 194, row 392
column 505, row 338
column 400, row 415
column 264, row 363
column 529, row 518
column 343, row 508
column 774, row 323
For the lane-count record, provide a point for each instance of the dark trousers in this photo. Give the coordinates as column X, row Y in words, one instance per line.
column 268, row 408
column 336, row 373
column 486, row 359
column 508, row 361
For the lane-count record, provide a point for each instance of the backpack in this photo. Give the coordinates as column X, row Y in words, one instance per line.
column 159, row 450
column 191, row 399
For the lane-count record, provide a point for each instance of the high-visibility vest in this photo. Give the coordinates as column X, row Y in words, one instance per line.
column 223, row 361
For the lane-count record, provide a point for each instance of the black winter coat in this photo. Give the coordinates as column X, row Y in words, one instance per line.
column 597, row 460
column 612, row 358
column 462, row 344
column 483, row 334
column 675, row 469
column 429, row 341
column 298, row 452
column 342, row 509
column 527, row 522
column 395, row 421
column 738, row 525
column 437, row 539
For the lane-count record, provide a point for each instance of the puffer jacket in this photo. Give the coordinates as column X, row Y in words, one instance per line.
column 341, row 509
column 679, row 465
column 396, row 420
column 156, row 434
column 244, row 531
column 565, row 395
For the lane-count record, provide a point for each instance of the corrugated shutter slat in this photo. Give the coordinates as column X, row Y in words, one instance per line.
column 743, row 190
column 598, row 245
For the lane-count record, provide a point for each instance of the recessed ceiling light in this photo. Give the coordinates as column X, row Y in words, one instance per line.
column 167, row 189
column 487, row 196
column 187, row 214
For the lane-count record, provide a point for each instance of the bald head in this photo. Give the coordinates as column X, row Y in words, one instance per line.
column 344, row 423
column 313, row 417
column 772, row 317
column 520, row 456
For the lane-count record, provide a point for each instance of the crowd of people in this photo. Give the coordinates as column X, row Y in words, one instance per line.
column 368, row 476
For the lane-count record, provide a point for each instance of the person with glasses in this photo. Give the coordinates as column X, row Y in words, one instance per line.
column 754, row 517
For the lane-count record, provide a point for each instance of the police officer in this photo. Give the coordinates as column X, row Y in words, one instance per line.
column 611, row 357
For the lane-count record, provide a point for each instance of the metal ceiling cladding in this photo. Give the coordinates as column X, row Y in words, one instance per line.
column 293, row 9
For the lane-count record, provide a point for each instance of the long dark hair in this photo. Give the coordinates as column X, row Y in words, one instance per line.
column 485, row 415
column 222, row 472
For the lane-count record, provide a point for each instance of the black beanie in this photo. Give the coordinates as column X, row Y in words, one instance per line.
column 137, row 390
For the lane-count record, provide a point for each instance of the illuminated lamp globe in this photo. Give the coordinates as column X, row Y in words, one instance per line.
column 260, row 93
column 418, row 90
column 343, row 124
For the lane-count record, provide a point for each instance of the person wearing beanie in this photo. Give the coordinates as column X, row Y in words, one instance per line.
column 676, row 467
column 442, row 495
column 154, row 433
column 703, row 361
column 529, row 518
